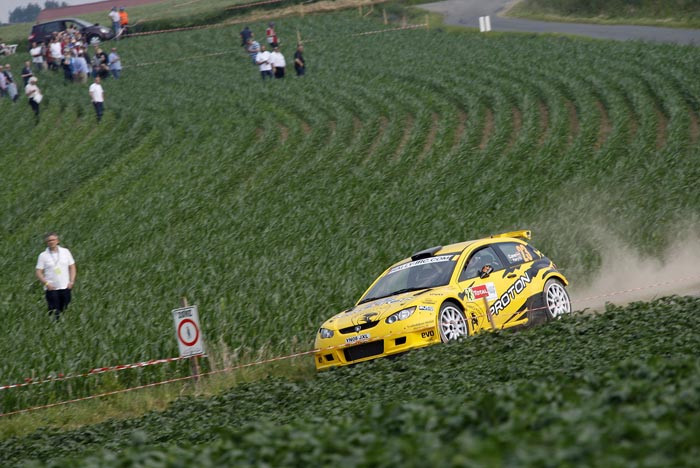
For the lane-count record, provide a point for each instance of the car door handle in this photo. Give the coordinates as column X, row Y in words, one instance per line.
column 512, row 275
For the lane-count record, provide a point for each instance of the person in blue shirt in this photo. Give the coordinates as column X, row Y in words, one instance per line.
column 115, row 63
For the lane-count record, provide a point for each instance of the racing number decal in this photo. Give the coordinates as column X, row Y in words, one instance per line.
column 527, row 256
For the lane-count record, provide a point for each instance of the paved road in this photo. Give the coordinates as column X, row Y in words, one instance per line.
column 466, row 13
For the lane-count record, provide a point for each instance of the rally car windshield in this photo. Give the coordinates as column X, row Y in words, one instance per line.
column 411, row 276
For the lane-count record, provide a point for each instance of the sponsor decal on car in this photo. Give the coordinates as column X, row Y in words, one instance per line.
column 515, row 289
column 425, row 307
column 515, row 257
column 423, row 261
column 487, row 290
column 420, row 325
column 358, row 338
column 378, row 302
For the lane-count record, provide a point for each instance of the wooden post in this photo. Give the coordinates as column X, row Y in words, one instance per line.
column 194, row 360
column 403, row 21
column 359, row 10
column 384, row 15
column 298, row 37
column 488, row 314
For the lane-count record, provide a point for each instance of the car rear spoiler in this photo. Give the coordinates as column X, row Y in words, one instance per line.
column 524, row 234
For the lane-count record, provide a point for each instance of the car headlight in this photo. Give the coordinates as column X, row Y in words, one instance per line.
column 326, row 333
column 400, row 315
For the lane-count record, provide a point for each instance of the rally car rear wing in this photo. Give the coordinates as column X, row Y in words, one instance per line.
column 524, row 234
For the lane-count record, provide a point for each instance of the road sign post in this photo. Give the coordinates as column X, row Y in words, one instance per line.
column 189, row 334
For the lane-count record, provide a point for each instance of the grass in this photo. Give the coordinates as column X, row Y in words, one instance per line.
column 652, row 13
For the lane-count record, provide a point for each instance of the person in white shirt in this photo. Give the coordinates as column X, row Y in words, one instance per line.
column 114, row 16
column 55, row 269
column 56, row 53
column 97, row 95
column 37, row 53
column 263, row 60
column 34, row 94
column 278, row 62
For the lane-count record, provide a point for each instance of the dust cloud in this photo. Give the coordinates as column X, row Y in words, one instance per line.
column 627, row 276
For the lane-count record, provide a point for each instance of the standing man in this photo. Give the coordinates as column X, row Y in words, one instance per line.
column 271, row 35
column 299, row 62
column 56, row 270
column 278, row 62
column 37, row 53
column 80, row 68
column 115, row 63
column 3, row 83
column 263, row 60
column 55, row 53
column 123, row 21
column 245, row 35
column 27, row 72
column 11, row 85
column 253, row 48
column 34, row 95
column 97, row 95
column 114, row 16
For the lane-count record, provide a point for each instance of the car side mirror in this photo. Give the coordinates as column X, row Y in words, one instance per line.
column 485, row 271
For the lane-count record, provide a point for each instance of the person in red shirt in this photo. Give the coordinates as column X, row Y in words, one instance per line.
column 271, row 35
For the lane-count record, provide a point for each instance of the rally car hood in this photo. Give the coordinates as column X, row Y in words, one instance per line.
column 374, row 310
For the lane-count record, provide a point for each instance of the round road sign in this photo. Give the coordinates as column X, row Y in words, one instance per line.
column 188, row 332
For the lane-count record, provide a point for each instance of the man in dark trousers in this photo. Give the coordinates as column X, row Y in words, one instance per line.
column 56, row 270
column 299, row 62
column 245, row 35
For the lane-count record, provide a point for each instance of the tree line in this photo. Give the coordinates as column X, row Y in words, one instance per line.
column 29, row 13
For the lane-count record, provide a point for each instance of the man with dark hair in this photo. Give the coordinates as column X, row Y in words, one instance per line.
column 245, row 35
column 27, row 72
column 56, row 270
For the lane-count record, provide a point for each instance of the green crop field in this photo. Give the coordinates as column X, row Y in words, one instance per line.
column 273, row 205
column 584, row 391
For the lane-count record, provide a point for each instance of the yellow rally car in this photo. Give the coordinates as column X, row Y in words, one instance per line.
column 444, row 293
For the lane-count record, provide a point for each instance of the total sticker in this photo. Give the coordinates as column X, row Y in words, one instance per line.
column 487, row 291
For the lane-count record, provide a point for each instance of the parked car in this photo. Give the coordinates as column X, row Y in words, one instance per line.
column 446, row 293
column 93, row 33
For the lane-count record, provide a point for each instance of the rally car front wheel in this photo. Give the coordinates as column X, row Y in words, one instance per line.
column 451, row 322
column 556, row 299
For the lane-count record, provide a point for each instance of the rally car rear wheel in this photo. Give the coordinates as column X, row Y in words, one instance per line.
column 556, row 299
column 451, row 322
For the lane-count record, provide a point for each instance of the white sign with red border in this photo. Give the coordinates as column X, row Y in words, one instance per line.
column 188, row 332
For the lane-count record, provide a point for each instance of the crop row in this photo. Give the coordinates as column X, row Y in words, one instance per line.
column 616, row 388
column 272, row 205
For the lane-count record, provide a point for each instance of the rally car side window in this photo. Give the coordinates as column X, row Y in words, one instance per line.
column 480, row 258
column 515, row 253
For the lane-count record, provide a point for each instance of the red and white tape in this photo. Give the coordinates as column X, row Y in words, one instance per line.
column 98, row 370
